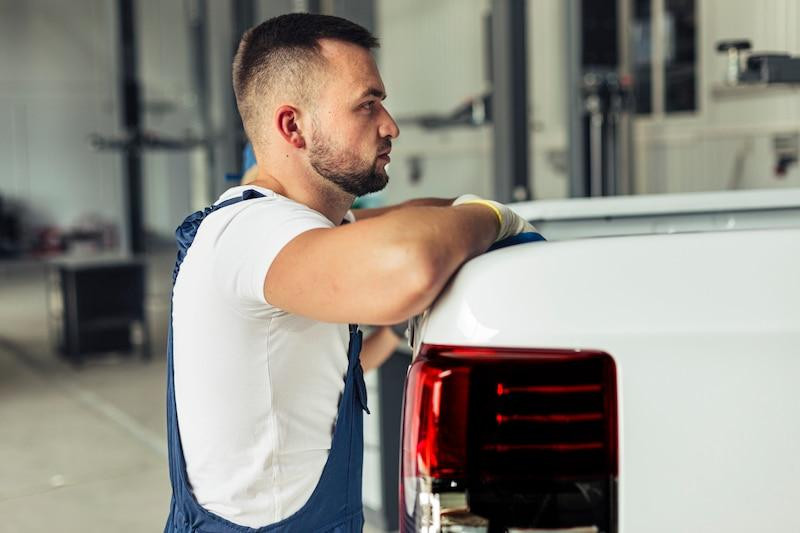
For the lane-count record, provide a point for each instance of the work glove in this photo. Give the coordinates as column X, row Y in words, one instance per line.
column 510, row 223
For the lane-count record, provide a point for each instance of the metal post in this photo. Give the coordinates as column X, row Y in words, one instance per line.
column 595, row 108
column 574, row 71
column 624, row 177
column 657, row 23
column 243, row 18
column 611, row 167
column 510, row 100
column 198, row 46
column 131, row 122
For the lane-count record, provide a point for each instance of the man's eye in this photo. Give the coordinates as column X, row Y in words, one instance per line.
column 368, row 105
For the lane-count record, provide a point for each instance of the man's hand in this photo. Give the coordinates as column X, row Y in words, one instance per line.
column 510, row 223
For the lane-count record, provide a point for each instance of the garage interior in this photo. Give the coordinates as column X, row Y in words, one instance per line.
column 117, row 119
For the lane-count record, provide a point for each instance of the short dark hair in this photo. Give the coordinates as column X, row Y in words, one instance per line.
column 281, row 52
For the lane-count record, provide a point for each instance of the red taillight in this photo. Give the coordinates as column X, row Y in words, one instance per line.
column 438, row 435
column 486, row 422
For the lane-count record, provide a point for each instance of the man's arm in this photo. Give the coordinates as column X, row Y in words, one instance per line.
column 361, row 214
column 380, row 344
column 381, row 270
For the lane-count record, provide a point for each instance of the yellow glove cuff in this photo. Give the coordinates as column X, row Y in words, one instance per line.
column 488, row 204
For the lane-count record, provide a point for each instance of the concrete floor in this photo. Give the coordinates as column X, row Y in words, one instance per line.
column 81, row 450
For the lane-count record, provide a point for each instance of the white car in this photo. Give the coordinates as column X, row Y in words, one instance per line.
column 639, row 372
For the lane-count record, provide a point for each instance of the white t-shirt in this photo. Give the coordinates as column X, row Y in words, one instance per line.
column 257, row 389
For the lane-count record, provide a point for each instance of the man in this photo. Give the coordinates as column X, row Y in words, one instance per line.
column 265, row 385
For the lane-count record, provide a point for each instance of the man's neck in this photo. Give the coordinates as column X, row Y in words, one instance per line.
column 319, row 195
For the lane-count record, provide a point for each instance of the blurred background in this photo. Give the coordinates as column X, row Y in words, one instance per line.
column 117, row 119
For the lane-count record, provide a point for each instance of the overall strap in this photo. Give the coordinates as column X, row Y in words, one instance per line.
column 185, row 233
column 354, row 365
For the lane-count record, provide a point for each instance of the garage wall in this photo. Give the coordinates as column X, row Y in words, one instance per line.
column 547, row 80
column 432, row 59
column 728, row 143
column 433, row 72
column 57, row 86
column 170, row 109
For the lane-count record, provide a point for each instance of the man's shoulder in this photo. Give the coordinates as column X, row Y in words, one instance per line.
column 266, row 198
column 265, row 219
column 239, row 190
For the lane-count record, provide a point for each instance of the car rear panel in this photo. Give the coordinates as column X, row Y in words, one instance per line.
column 704, row 334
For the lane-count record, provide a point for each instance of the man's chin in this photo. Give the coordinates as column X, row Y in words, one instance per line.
column 374, row 185
column 382, row 181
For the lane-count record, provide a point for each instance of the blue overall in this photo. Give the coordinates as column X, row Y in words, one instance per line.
column 335, row 505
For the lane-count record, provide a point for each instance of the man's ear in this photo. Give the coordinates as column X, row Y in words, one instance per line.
column 287, row 123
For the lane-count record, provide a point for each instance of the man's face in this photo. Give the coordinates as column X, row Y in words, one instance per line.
column 351, row 130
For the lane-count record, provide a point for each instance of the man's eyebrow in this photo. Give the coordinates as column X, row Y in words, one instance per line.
column 372, row 91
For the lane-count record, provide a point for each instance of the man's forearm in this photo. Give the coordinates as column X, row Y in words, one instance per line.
column 378, row 347
column 361, row 214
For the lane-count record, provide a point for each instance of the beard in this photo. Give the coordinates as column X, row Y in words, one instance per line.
column 345, row 169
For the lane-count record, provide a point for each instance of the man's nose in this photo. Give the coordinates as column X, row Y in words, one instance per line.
column 388, row 127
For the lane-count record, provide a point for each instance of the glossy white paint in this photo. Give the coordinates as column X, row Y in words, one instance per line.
column 663, row 213
column 705, row 331
column 651, row 205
